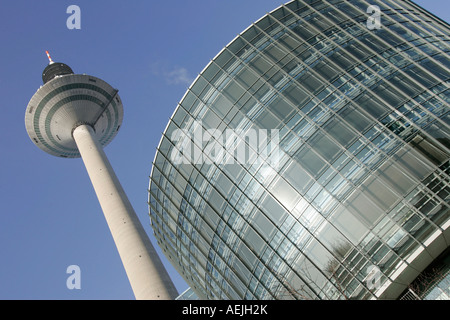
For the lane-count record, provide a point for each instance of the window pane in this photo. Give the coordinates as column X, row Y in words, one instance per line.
column 296, row 95
column 233, row 91
column 273, row 209
column 281, row 108
column 221, row 106
column 260, row 64
column 348, row 224
column 285, row 193
column 324, row 146
column 298, row 177
column 355, row 118
column 309, row 160
column 246, row 77
column 339, row 131
column 267, row 121
column 364, row 209
column 311, row 83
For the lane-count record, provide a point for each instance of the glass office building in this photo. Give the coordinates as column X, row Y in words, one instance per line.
column 342, row 192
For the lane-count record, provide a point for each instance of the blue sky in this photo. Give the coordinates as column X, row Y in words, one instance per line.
column 151, row 51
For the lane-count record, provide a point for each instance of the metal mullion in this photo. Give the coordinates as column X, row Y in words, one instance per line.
column 161, row 230
column 335, row 91
column 304, row 115
column 203, row 128
column 263, row 57
column 218, row 168
column 367, row 141
column 256, row 50
column 431, row 57
column 421, row 107
column 317, row 128
column 382, row 79
column 194, row 226
column 181, row 244
column 376, row 120
column 348, row 181
column 418, row 212
column 246, row 91
column 391, row 64
column 401, row 70
column 418, row 15
column 241, row 240
column 422, row 14
column 370, row 142
column 170, row 199
column 275, row 116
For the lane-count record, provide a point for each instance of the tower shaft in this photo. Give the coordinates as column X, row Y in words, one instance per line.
column 146, row 273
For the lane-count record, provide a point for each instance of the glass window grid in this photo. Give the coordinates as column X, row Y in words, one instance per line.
column 417, row 18
column 406, row 29
column 182, row 224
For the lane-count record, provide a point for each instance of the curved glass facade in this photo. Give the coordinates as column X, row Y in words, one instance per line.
column 350, row 198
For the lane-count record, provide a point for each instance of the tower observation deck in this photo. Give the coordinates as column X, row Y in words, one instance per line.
column 74, row 115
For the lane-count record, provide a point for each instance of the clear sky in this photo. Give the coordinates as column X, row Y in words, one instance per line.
column 151, row 51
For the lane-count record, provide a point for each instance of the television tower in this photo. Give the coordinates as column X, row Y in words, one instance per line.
column 74, row 115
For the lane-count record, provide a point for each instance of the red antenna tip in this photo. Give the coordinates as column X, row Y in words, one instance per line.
column 49, row 58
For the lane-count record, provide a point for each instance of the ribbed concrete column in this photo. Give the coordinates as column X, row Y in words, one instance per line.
column 146, row 273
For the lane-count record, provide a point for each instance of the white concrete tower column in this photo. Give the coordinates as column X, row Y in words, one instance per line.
column 146, row 273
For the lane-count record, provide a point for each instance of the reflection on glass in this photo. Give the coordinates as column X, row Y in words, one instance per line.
column 363, row 179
